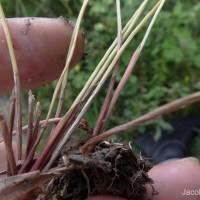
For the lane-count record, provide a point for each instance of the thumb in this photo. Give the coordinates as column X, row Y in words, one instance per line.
column 41, row 46
column 172, row 179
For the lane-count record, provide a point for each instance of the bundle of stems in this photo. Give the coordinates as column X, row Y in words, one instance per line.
column 64, row 126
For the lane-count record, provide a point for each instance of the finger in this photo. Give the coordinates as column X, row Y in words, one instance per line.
column 173, row 179
column 41, row 46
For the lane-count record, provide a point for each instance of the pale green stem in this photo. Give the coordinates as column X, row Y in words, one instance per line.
column 16, row 84
column 101, row 119
column 69, row 57
column 132, row 64
column 9, row 41
column 111, row 51
column 126, row 30
column 97, row 89
column 106, row 73
column 106, row 59
column 152, row 23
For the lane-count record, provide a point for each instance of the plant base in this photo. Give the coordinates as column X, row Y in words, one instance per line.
column 112, row 169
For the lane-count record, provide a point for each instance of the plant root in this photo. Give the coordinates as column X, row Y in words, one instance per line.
column 111, row 169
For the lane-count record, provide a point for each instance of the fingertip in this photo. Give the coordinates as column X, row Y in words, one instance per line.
column 171, row 179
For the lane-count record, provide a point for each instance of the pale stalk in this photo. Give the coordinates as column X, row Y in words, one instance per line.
column 158, row 112
column 41, row 123
column 95, row 92
column 102, row 73
column 101, row 119
column 132, row 62
column 58, row 131
column 111, row 51
column 96, row 76
column 11, row 164
column 30, row 121
column 69, row 58
column 16, row 84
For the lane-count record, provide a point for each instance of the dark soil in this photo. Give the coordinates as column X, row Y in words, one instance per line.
column 111, row 169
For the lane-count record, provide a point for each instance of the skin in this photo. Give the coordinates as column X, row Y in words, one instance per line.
column 41, row 46
column 170, row 179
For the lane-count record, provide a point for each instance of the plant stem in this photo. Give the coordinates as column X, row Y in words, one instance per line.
column 110, row 52
column 51, row 144
column 8, row 145
column 50, row 121
column 62, row 97
column 160, row 111
column 101, row 119
column 11, row 114
column 37, row 123
column 123, row 81
column 62, row 123
column 72, row 46
column 30, row 121
column 114, row 57
column 132, row 63
column 16, row 84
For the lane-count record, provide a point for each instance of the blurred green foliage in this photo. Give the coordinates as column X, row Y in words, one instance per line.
column 167, row 69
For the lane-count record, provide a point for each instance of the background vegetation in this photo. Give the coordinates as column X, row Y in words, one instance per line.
column 168, row 68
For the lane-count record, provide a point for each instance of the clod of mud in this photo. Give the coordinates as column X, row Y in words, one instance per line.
column 111, row 169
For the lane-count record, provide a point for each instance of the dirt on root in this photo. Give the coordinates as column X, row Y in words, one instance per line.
column 111, row 169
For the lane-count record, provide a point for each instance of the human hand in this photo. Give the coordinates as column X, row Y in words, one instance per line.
column 36, row 58
column 172, row 181
column 41, row 46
